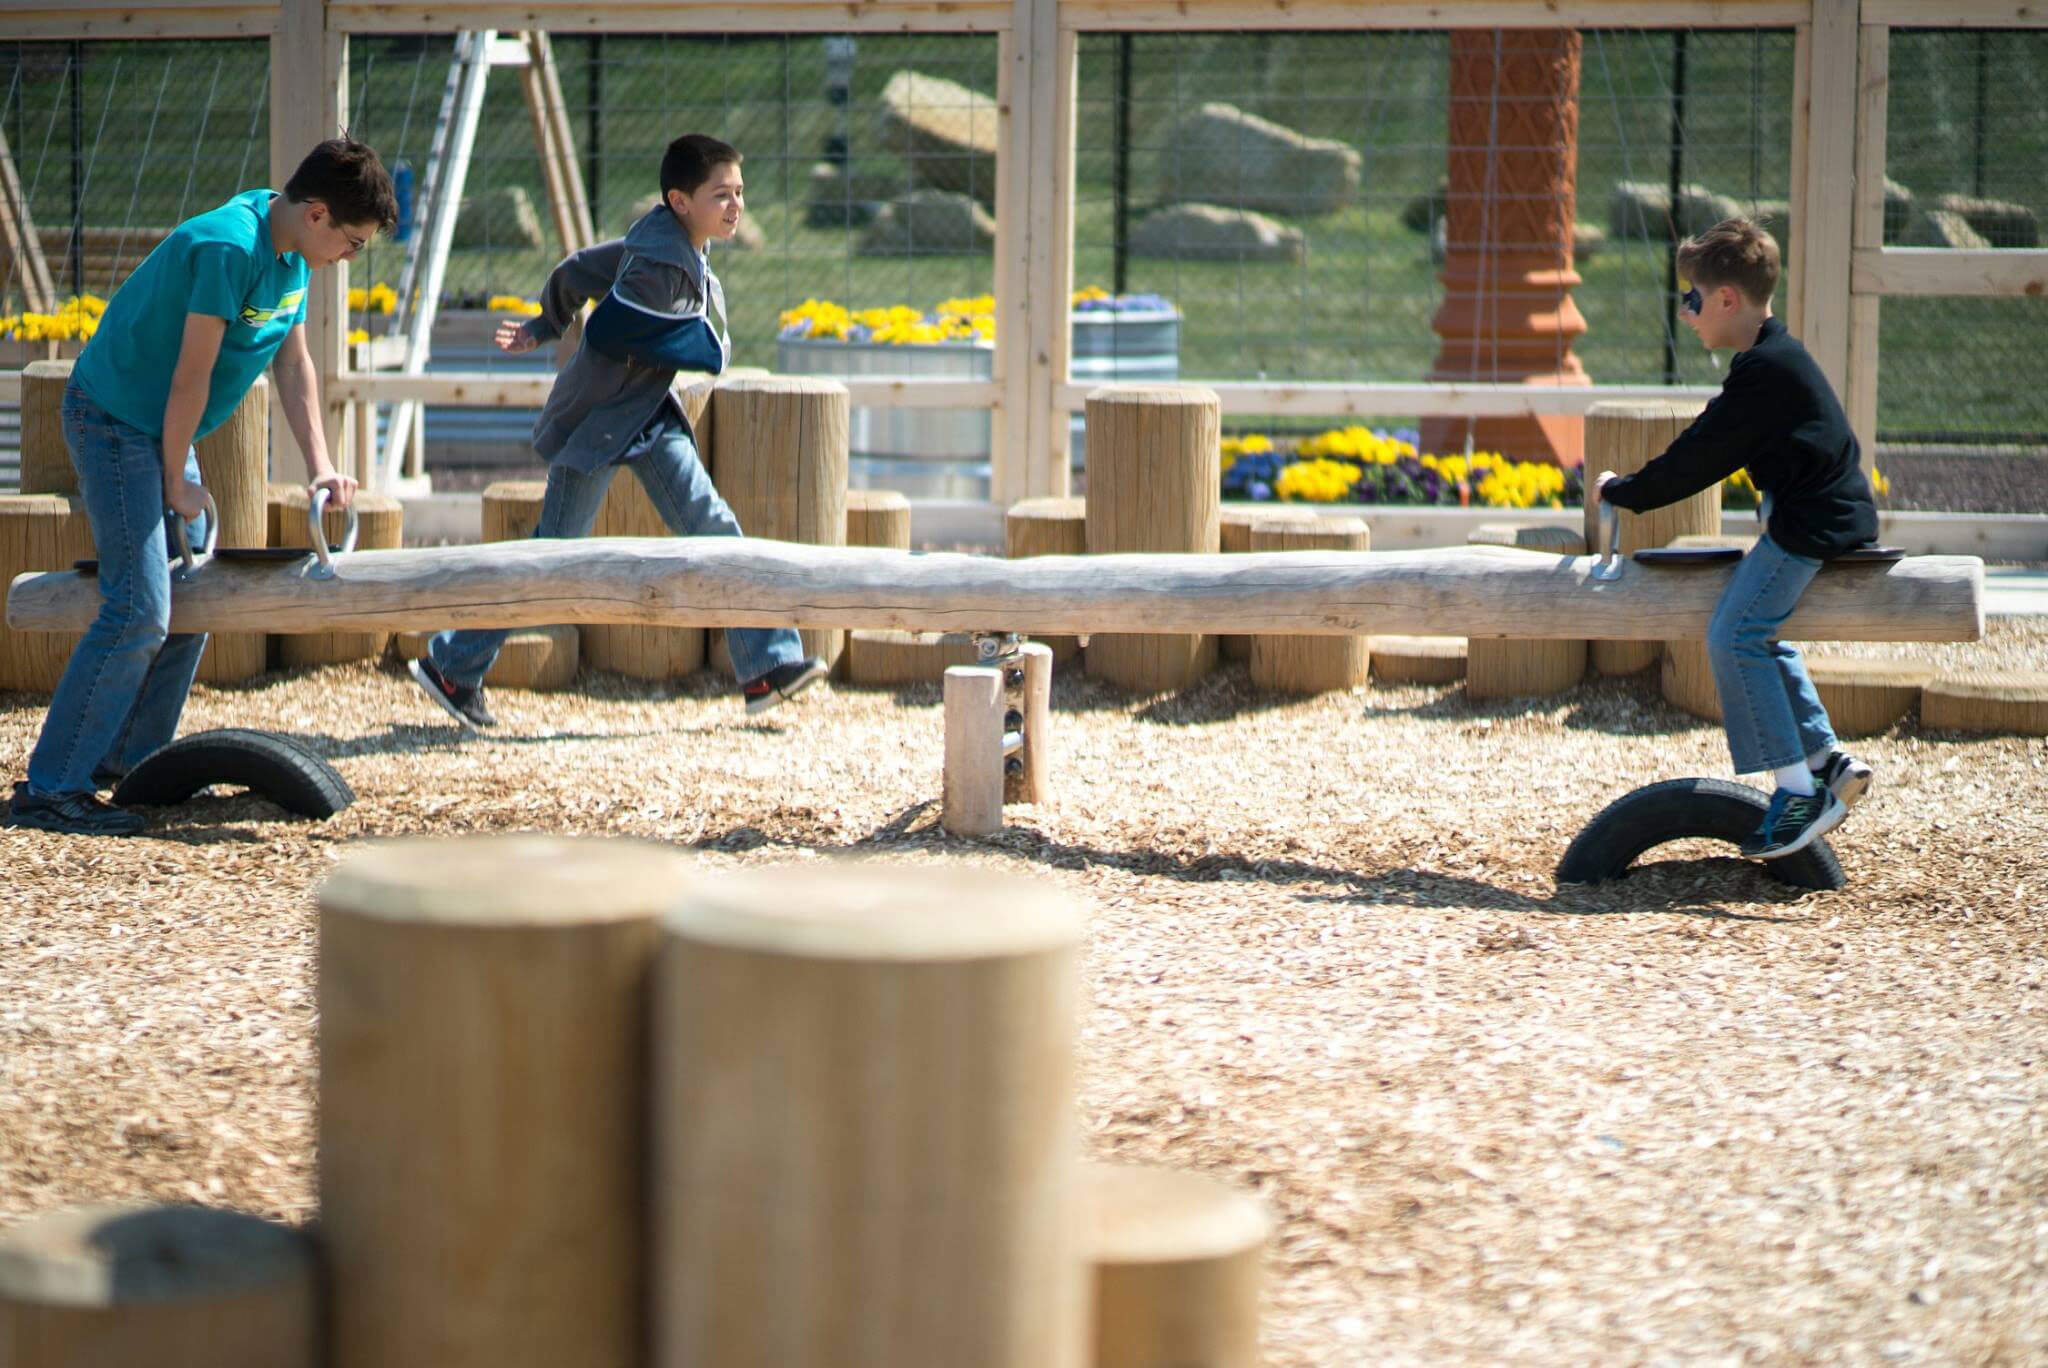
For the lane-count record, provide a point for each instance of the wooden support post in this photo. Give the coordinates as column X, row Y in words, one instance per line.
column 538, row 658
column 40, row 532
column 309, row 104
column 1510, row 667
column 1823, row 207
column 19, row 240
column 1686, row 676
column 1874, row 86
column 483, row 1092
column 1624, row 435
column 877, row 517
column 1310, row 664
column 232, row 461
column 781, row 462
column 511, row 509
column 887, row 656
column 972, row 783
column 1234, row 534
column 1177, row 1262
column 863, row 1127
column 45, row 460
column 169, row 1286
column 380, row 526
column 1155, row 483
column 1028, row 689
column 541, row 84
column 1048, row 527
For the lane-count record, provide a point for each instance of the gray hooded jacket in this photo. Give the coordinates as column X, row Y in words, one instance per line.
column 601, row 400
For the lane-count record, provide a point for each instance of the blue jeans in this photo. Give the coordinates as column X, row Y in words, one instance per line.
column 1769, row 707
column 125, row 685
column 681, row 491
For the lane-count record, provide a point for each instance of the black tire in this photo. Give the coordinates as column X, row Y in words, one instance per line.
column 272, row 766
column 1676, row 810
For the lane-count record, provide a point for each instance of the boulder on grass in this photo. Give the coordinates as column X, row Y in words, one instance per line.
column 944, row 131
column 1942, row 228
column 837, row 197
column 1209, row 232
column 1219, row 153
column 2000, row 222
column 930, row 223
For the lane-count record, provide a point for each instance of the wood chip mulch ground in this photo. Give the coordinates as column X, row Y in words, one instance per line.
column 1690, row 1116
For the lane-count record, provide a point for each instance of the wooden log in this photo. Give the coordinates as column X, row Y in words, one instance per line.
column 511, row 509
column 1464, row 591
column 1624, row 435
column 538, row 658
column 234, row 465
column 169, row 1286
column 1234, row 525
column 883, row 657
column 1417, row 659
column 863, row 1129
column 1050, row 526
column 1310, row 664
column 632, row 649
column 1987, row 701
column 1512, row 668
column 483, row 1091
column 1028, row 690
column 972, row 789
column 45, row 459
column 380, row 526
column 1865, row 697
column 781, row 463
column 1685, row 675
column 41, row 532
column 877, row 517
column 1177, row 1260
column 1154, row 484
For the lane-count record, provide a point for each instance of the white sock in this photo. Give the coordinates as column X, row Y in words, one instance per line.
column 1819, row 757
column 1798, row 778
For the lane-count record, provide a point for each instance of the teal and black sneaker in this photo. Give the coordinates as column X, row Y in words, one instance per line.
column 1845, row 776
column 1793, row 822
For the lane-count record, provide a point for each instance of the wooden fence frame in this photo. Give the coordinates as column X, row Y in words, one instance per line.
column 1840, row 84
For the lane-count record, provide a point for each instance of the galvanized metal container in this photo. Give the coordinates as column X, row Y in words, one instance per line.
column 1134, row 346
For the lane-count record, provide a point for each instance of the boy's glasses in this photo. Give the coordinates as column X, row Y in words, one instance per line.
column 1690, row 301
column 355, row 244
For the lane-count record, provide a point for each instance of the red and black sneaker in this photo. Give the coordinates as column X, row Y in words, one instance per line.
column 782, row 682
column 459, row 701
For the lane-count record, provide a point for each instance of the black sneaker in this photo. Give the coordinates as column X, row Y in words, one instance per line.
column 782, row 682
column 459, row 701
column 1793, row 822
column 1843, row 775
column 74, row 814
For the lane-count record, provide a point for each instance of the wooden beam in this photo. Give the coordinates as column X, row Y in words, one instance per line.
column 309, row 104
column 1185, row 15
column 1469, row 591
column 676, row 16
column 18, row 238
column 568, row 204
column 1825, row 218
column 1859, row 397
column 1010, row 428
column 1948, row 271
column 1338, row 399
column 1957, row 13
column 529, row 389
column 46, row 21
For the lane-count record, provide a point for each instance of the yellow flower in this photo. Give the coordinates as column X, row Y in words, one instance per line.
column 356, row 335
column 510, row 303
column 1315, row 481
column 384, row 299
column 358, row 299
column 1088, row 292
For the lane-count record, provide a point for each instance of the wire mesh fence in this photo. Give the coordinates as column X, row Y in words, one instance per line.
column 1294, row 196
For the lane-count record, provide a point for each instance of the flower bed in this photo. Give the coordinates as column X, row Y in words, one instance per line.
column 1362, row 465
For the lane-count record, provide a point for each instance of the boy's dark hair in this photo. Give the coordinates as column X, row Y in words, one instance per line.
column 689, row 161
column 1732, row 252
column 347, row 177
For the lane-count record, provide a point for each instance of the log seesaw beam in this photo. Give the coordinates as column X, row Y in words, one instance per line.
column 1470, row 591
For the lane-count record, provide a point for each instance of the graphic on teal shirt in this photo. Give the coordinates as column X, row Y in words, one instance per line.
column 221, row 264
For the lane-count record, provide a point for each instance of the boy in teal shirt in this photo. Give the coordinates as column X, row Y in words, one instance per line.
column 180, row 343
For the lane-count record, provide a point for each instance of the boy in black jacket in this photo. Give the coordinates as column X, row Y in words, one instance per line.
column 1777, row 415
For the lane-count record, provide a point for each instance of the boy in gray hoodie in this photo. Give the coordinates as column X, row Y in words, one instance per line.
column 659, row 310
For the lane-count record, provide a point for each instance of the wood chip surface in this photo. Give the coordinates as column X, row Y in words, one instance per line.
column 1693, row 1116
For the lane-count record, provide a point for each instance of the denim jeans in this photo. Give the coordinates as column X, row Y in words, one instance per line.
column 125, row 685
column 1769, row 707
column 681, row 491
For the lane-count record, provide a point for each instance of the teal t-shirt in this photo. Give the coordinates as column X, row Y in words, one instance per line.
column 220, row 263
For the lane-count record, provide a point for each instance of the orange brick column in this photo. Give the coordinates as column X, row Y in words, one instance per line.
column 1508, row 314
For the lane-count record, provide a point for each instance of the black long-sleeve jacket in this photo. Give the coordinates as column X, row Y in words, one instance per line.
column 1777, row 415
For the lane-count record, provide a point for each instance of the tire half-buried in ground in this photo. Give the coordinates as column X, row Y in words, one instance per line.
column 1676, row 810
column 271, row 766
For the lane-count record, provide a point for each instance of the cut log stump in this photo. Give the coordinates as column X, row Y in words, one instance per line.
column 1987, row 701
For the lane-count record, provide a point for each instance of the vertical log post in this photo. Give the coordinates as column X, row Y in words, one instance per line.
column 1176, row 1261
column 39, row 532
column 1234, row 534
column 1310, row 664
column 1498, row 667
column 881, row 517
column 169, row 1286
column 781, row 463
column 45, row 460
column 380, row 526
column 511, row 509
column 1686, row 676
column 971, row 802
column 483, row 1090
column 863, row 1129
column 1624, row 435
column 1155, row 480
column 877, row 517
column 1052, row 526
column 1027, row 681
column 234, row 463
